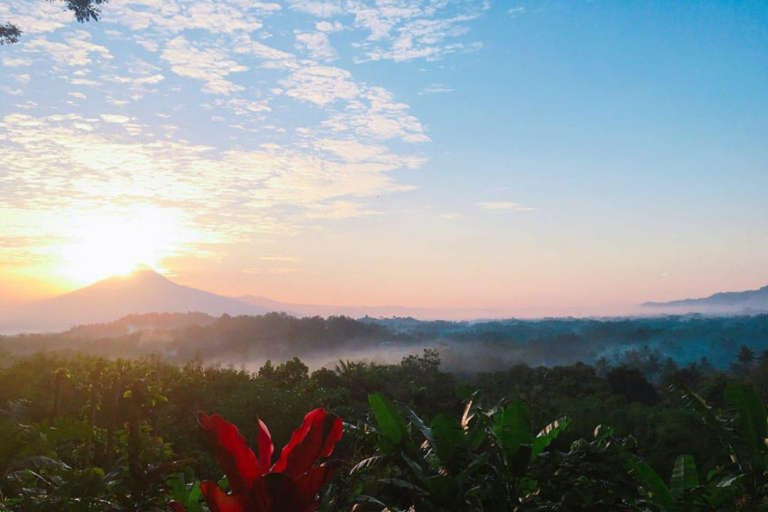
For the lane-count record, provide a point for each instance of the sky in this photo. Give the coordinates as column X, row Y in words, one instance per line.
column 541, row 155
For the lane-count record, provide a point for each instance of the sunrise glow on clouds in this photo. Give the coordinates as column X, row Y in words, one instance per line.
column 240, row 140
column 261, row 175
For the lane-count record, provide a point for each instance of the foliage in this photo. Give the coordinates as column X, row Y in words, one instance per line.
column 85, row 433
column 291, row 484
column 84, row 10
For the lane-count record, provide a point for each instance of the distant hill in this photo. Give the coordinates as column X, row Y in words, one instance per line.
column 749, row 301
column 325, row 310
column 143, row 291
column 141, row 322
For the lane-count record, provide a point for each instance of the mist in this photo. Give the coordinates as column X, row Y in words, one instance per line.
column 464, row 347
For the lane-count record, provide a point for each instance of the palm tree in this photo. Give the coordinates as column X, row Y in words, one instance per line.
column 746, row 357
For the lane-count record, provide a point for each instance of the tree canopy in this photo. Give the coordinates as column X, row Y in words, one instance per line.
column 84, row 10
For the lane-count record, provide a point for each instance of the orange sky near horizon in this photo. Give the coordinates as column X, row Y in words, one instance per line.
column 580, row 156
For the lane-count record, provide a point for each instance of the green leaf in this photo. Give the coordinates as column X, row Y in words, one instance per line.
column 391, row 424
column 417, row 422
column 654, row 486
column 449, row 438
column 743, row 400
column 444, row 489
column 549, row 434
column 684, row 475
column 512, row 427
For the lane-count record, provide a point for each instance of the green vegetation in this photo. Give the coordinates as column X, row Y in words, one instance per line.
column 655, row 346
column 85, row 433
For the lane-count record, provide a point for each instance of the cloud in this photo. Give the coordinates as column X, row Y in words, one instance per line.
column 339, row 210
column 115, row 119
column 436, row 89
column 516, row 11
column 317, row 44
column 321, row 85
column 35, row 17
column 295, row 141
column 319, row 8
column 264, row 6
column 16, row 62
column 377, row 115
column 67, row 163
column 174, row 16
column 210, row 65
column 280, row 258
column 504, row 207
column 402, row 30
column 327, row 26
column 245, row 45
column 76, row 50
column 270, row 270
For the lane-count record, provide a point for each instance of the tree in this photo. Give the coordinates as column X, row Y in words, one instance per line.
column 9, row 34
column 84, row 10
column 631, row 383
column 746, row 355
column 745, row 358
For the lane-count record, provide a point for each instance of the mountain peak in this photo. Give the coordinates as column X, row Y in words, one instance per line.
column 142, row 276
column 145, row 272
column 144, row 290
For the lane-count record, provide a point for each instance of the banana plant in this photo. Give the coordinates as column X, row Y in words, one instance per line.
column 185, row 496
column 679, row 495
column 742, row 430
column 476, row 462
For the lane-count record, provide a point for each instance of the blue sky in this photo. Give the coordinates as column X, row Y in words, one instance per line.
column 545, row 156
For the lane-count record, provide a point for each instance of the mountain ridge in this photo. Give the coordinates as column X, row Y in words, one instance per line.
column 721, row 302
column 143, row 291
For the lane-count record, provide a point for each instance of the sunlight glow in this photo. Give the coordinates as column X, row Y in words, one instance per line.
column 102, row 247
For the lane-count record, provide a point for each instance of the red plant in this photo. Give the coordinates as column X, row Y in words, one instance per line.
column 291, row 484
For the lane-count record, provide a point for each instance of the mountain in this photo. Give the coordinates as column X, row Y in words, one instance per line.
column 749, row 301
column 143, row 291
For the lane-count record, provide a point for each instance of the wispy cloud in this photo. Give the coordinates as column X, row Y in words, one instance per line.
column 297, row 139
column 115, row 118
column 280, row 258
column 76, row 50
column 317, row 45
column 436, row 89
column 209, row 65
column 517, row 11
column 504, row 207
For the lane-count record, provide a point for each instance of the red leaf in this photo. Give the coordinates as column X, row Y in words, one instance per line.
column 219, row 501
column 267, row 493
column 175, row 506
column 304, row 496
column 315, row 439
column 234, row 456
column 265, row 446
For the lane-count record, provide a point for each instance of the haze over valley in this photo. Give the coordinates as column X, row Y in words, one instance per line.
column 144, row 290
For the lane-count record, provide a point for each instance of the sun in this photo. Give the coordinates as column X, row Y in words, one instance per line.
column 102, row 246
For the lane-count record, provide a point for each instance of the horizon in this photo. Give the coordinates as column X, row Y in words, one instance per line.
column 111, row 299
column 468, row 155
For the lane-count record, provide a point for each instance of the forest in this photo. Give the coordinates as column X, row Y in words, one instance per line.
column 465, row 347
column 637, row 431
